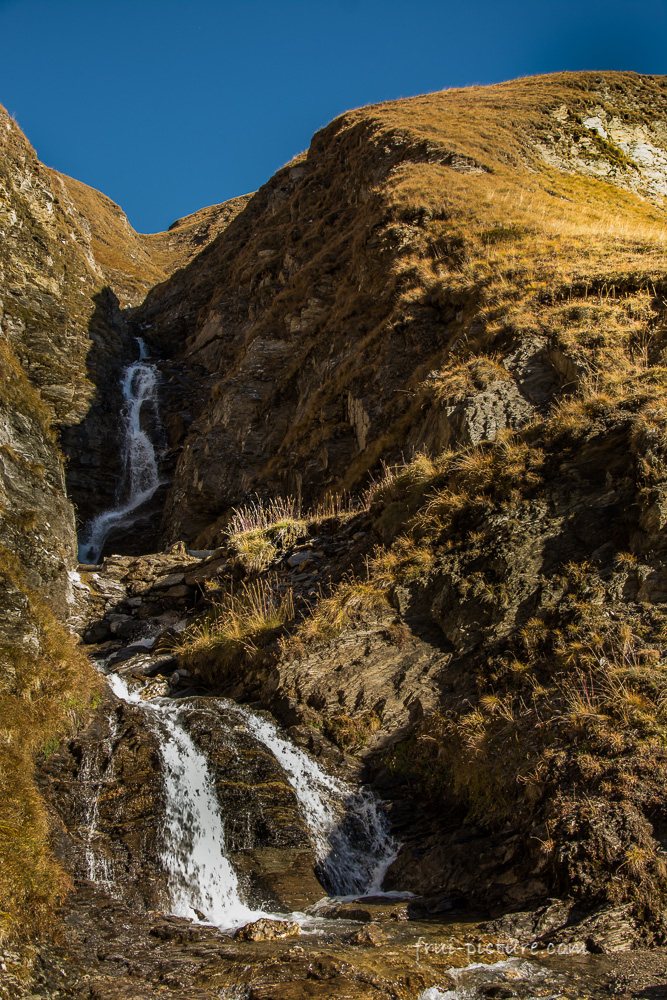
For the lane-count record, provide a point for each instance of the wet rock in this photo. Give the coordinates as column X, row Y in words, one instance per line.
column 104, row 788
column 368, row 937
column 157, row 688
column 283, row 879
column 365, row 911
column 605, row 931
column 161, row 664
column 267, row 930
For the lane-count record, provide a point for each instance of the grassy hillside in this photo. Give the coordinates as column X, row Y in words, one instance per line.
column 412, row 238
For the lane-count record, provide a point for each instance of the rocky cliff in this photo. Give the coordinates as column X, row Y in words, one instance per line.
column 413, row 401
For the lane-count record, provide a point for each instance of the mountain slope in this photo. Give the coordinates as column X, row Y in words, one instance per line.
column 470, row 287
column 413, row 236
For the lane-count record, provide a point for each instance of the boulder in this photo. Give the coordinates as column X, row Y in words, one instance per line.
column 267, row 930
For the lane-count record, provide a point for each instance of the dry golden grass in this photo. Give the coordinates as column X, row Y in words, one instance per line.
column 455, row 269
column 236, row 631
column 116, row 247
column 47, row 687
column 260, row 529
column 350, row 600
column 351, row 732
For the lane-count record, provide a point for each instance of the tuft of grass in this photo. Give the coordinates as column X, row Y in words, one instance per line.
column 260, row 514
column 236, row 632
column 259, row 530
column 349, row 601
column 351, row 732
column 456, row 382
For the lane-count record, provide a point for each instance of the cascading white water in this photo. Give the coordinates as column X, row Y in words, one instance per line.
column 349, row 831
column 140, row 472
column 202, row 882
column 93, row 776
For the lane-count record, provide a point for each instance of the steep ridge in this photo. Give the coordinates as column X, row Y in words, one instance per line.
column 412, row 235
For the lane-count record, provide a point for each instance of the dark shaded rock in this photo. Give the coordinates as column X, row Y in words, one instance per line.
column 365, row 911
column 99, row 631
column 279, row 878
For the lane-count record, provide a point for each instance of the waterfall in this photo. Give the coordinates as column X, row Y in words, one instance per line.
column 97, row 770
column 140, row 473
column 348, row 828
column 202, row 882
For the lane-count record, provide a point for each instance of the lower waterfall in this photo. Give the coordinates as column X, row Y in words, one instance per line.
column 202, row 881
column 347, row 827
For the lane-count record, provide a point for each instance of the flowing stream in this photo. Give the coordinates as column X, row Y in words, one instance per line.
column 140, row 472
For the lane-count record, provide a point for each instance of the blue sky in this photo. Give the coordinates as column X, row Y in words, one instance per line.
column 167, row 105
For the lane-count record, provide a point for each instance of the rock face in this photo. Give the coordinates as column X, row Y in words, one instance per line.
column 106, row 793
column 69, row 263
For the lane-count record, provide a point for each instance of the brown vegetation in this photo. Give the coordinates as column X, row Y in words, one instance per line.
column 46, row 690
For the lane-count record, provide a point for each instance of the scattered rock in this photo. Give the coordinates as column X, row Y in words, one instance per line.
column 368, row 937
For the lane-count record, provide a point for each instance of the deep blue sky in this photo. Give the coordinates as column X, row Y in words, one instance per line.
column 168, row 106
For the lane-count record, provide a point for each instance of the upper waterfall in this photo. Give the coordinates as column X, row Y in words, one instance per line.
column 140, row 472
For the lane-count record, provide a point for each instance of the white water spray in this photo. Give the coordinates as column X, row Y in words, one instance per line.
column 140, row 473
column 350, row 832
column 202, row 882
